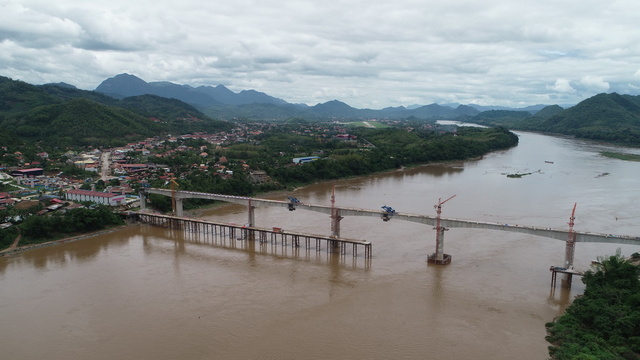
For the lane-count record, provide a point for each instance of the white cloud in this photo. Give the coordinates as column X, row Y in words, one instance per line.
column 370, row 53
column 562, row 86
column 594, row 83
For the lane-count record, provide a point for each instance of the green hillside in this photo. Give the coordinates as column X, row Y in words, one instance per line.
column 174, row 115
column 80, row 122
column 609, row 117
column 68, row 116
column 18, row 96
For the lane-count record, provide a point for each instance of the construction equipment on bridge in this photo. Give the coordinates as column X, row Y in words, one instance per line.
column 387, row 212
column 292, row 203
column 439, row 257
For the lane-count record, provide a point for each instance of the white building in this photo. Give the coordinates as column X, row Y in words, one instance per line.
column 96, row 197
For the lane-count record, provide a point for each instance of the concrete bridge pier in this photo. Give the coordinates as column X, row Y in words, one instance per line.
column 143, row 200
column 251, row 220
column 570, row 249
column 179, row 209
column 439, row 257
column 335, row 230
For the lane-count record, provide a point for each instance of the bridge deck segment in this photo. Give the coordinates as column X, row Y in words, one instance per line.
column 558, row 234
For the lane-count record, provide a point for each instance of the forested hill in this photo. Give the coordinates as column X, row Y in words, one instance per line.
column 608, row 117
column 68, row 116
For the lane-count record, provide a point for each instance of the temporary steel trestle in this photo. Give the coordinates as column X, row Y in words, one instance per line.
column 263, row 235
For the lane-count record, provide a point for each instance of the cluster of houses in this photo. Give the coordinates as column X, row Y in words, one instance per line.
column 130, row 172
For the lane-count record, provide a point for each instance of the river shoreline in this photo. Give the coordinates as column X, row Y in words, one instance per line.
column 18, row 249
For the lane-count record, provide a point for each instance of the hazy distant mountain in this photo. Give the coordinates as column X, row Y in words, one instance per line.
column 531, row 109
column 226, row 96
column 124, row 85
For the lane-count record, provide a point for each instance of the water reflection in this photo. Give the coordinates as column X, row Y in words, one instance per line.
column 254, row 249
column 63, row 253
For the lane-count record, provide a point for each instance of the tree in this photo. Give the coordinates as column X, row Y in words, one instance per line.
column 604, row 323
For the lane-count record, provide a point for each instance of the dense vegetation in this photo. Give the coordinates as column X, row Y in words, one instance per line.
column 72, row 222
column 608, row 117
column 604, row 323
column 67, row 116
column 395, row 148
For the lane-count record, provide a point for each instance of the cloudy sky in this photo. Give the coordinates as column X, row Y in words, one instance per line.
column 367, row 53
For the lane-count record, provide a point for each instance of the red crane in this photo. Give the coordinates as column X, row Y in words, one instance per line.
column 439, row 257
column 571, row 241
column 439, row 211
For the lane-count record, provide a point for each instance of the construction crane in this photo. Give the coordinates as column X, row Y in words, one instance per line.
column 174, row 184
column 335, row 216
column 571, row 241
column 438, row 208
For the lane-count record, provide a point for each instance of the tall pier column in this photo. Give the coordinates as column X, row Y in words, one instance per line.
column 439, row 257
column 570, row 248
column 335, row 229
column 569, row 251
column 179, row 210
column 335, row 222
column 143, row 200
column 251, row 220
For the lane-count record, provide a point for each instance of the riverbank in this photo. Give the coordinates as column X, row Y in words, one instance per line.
column 18, row 249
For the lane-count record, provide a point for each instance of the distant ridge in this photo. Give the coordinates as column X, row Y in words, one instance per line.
column 125, row 85
column 218, row 101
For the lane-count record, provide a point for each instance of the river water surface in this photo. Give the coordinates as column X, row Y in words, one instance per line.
column 143, row 293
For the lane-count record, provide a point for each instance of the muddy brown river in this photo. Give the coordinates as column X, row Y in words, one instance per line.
column 143, row 293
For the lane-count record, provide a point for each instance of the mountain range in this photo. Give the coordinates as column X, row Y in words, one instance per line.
column 62, row 114
column 220, row 102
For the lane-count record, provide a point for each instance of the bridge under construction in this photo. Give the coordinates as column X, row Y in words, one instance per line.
column 438, row 223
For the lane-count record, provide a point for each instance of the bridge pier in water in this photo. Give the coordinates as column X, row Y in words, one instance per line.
column 251, row 220
column 335, row 244
column 439, row 257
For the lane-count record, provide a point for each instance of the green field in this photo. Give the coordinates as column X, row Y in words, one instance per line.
column 621, row 156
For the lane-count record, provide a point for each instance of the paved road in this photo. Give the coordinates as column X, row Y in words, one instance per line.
column 105, row 160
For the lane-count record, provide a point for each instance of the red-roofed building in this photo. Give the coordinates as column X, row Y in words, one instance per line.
column 96, row 197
